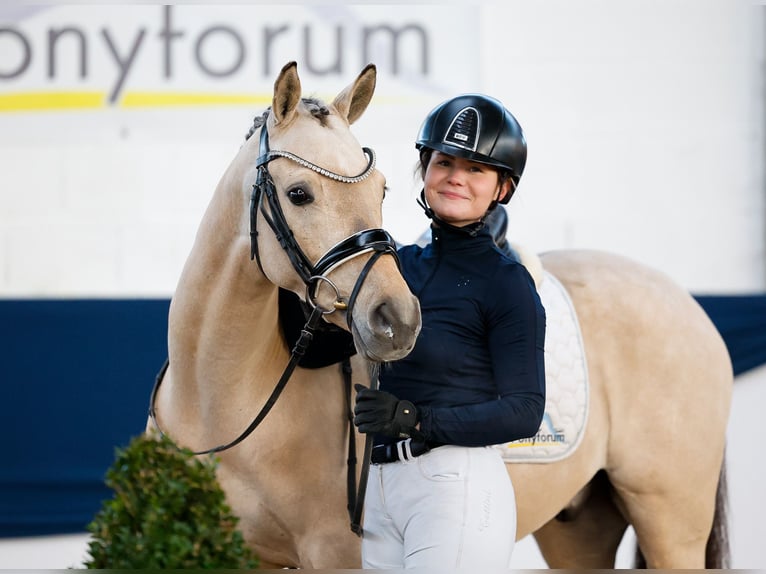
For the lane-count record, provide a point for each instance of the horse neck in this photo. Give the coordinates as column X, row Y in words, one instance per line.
column 223, row 320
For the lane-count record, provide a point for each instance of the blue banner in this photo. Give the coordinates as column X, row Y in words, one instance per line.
column 76, row 377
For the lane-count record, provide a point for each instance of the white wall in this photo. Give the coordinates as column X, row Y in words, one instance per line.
column 644, row 120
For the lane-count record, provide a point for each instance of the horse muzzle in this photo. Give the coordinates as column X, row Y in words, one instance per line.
column 387, row 329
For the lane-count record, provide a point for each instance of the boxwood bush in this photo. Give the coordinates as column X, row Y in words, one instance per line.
column 168, row 511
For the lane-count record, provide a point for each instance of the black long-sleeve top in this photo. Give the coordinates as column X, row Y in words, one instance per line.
column 476, row 373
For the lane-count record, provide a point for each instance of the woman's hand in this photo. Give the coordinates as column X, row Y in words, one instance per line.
column 379, row 412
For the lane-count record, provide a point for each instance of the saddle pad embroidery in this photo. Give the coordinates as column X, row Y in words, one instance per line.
column 566, row 379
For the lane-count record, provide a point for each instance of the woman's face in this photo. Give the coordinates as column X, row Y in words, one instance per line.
column 459, row 190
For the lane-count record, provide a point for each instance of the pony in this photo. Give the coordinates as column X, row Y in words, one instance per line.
column 652, row 455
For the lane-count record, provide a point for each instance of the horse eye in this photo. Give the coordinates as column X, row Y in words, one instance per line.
column 299, row 196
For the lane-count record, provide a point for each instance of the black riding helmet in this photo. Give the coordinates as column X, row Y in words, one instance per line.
column 478, row 128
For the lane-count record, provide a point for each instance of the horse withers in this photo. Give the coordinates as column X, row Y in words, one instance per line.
column 303, row 200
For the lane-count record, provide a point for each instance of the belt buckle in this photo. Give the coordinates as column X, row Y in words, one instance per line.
column 401, row 451
column 404, row 451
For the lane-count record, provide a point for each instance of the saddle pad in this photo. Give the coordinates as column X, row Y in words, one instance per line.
column 566, row 379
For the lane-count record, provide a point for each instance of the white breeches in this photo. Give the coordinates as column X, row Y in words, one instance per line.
column 452, row 507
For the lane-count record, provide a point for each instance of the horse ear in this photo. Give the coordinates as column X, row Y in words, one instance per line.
column 352, row 101
column 287, row 93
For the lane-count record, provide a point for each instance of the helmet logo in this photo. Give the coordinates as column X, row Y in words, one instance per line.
column 464, row 130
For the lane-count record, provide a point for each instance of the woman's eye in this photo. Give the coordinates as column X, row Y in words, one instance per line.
column 299, row 196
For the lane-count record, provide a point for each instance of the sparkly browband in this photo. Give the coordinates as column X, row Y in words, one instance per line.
column 326, row 172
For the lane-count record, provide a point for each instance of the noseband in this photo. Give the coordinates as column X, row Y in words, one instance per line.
column 375, row 241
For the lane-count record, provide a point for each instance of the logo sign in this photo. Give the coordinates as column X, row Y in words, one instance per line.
column 103, row 56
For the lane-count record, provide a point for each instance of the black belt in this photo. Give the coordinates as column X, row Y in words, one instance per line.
column 403, row 450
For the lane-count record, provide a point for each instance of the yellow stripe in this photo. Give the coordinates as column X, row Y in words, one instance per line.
column 27, row 101
column 171, row 99
column 51, row 101
column 41, row 101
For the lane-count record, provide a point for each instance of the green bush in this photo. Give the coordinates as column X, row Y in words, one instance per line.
column 168, row 511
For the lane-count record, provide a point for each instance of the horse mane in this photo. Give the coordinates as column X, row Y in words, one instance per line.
column 316, row 107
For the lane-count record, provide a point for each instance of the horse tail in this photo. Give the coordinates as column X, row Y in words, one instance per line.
column 717, row 554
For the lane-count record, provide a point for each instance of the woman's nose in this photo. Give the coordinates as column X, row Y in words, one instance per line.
column 455, row 176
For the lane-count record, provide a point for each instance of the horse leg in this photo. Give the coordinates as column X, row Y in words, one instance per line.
column 587, row 533
column 717, row 551
column 672, row 521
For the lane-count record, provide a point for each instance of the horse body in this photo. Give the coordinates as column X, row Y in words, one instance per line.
column 660, row 391
column 660, row 377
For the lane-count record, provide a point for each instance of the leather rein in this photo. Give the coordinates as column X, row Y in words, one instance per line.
column 376, row 241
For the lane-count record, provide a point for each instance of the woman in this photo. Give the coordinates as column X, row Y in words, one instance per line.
column 438, row 493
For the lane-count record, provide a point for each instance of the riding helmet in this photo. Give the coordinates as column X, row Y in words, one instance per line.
column 478, row 128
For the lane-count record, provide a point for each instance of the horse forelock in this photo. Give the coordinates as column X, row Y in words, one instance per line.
column 316, row 107
column 258, row 121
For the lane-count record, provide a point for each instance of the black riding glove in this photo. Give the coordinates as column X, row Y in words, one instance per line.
column 379, row 412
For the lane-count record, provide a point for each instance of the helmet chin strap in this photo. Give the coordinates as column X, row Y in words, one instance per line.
column 471, row 229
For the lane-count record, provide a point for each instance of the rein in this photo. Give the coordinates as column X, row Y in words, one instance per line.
column 298, row 351
column 375, row 241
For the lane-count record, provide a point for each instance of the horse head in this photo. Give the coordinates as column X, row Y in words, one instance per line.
column 315, row 216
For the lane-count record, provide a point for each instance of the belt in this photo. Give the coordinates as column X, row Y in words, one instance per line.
column 404, row 450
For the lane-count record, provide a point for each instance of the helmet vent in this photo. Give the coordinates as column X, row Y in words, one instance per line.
column 464, row 130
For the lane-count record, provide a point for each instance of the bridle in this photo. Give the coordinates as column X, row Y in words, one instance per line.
column 376, row 241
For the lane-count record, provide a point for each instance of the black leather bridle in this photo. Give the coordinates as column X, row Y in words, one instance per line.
column 376, row 241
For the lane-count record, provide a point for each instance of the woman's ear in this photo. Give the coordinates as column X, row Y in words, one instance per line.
column 505, row 189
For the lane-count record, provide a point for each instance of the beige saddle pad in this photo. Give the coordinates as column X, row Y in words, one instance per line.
column 566, row 379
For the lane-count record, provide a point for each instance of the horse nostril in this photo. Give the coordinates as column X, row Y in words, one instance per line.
column 380, row 321
column 386, row 323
